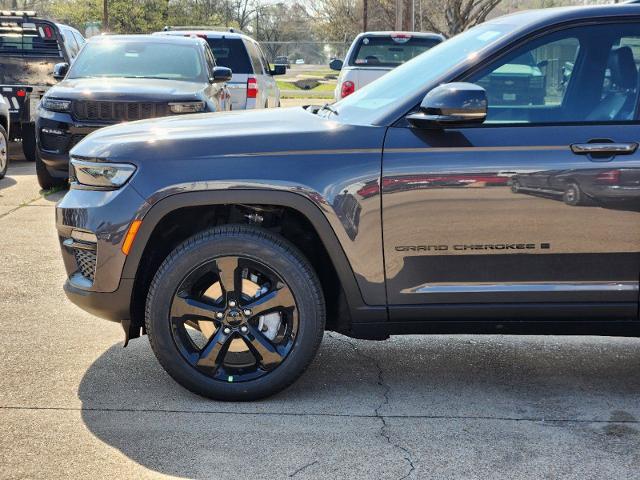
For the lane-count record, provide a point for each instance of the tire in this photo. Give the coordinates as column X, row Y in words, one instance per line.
column 207, row 252
column 45, row 179
column 574, row 196
column 4, row 152
column 515, row 186
column 29, row 142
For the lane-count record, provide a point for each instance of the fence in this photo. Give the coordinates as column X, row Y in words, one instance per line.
column 313, row 52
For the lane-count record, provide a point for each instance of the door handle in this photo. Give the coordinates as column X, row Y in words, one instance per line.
column 604, row 148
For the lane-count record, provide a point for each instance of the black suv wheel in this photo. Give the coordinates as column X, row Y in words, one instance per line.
column 45, row 179
column 4, row 152
column 29, row 142
column 235, row 313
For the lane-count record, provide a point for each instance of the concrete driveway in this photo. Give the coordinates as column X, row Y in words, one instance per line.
column 75, row 404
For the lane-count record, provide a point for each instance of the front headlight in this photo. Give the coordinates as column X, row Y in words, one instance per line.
column 56, row 104
column 186, row 107
column 102, row 174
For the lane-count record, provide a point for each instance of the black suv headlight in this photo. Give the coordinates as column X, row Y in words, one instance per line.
column 102, row 175
column 186, row 107
column 56, row 104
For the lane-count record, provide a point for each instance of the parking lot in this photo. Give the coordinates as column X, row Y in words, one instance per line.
column 74, row 403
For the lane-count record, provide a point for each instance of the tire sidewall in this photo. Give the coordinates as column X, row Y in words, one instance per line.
column 3, row 171
column 204, row 249
column 577, row 195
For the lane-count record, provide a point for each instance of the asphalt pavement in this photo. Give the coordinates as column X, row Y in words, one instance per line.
column 75, row 404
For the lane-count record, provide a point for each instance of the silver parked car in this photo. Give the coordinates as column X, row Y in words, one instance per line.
column 252, row 85
column 372, row 54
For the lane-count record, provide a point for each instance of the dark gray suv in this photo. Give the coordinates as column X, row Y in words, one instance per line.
column 234, row 240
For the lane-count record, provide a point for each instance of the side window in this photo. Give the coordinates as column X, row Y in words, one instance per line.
column 208, row 55
column 581, row 74
column 611, row 85
column 255, row 58
column 267, row 65
column 70, row 42
column 535, row 78
column 79, row 39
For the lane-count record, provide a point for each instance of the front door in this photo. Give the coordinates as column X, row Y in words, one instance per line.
column 539, row 204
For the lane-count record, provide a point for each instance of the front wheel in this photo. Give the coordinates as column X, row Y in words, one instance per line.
column 29, row 142
column 45, row 179
column 235, row 313
column 4, row 152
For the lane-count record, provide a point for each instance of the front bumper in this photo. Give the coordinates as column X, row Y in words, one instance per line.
column 114, row 306
column 95, row 266
column 61, row 133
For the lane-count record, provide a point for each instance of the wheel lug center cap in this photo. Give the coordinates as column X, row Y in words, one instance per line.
column 234, row 317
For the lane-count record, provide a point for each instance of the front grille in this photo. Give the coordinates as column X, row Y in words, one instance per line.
column 117, row 111
column 86, row 260
column 59, row 143
column 53, row 143
column 75, row 139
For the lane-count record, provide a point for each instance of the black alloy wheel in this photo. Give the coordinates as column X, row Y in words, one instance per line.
column 234, row 319
column 235, row 313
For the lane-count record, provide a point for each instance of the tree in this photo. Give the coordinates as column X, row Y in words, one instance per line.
column 457, row 15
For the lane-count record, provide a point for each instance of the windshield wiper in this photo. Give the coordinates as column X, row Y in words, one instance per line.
column 328, row 107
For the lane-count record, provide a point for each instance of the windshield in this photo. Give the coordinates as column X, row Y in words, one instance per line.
column 370, row 103
column 389, row 51
column 138, row 60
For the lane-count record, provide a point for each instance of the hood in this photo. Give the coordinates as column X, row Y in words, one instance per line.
column 211, row 135
column 125, row 89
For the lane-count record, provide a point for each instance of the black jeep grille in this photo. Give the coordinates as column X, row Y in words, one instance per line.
column 86, row 260
column 117, row 111
column 59, row 143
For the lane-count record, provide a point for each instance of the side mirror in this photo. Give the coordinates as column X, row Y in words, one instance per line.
column 451, row 104
column 221, row 74
column 279, row 70
column 335, row 64
column 60, row 70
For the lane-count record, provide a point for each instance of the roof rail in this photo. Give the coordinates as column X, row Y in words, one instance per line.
column 18, row 13
column 173, row 28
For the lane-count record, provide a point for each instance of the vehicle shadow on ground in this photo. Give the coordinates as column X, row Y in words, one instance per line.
column 131, row 404
column 6, row 182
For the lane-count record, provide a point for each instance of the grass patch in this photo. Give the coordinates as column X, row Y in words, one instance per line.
column 51, row 191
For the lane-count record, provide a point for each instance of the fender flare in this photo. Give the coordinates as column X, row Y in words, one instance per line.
column 359, row 311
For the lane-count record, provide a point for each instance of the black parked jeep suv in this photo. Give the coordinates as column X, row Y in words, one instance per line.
column 118, row 79
column 389, row 212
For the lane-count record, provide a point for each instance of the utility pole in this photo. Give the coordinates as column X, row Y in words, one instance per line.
column 365, row 15
column 105, row 15
column 399, row 14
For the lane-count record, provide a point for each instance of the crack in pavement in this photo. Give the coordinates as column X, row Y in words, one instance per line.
column 304, row 467
column 385, row 401
column 23, row 204
column 550, row 421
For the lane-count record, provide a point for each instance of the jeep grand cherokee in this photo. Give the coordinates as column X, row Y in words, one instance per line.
column 234, row 253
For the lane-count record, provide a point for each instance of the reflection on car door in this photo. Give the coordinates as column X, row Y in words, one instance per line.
column 456, row 232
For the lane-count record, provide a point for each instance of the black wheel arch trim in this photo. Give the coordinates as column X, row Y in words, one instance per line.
column 359, row 311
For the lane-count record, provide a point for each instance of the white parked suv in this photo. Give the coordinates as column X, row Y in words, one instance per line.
column 372, row 54
column 252, row 85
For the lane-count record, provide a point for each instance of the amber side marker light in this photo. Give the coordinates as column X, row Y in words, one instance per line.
column 131, row 236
